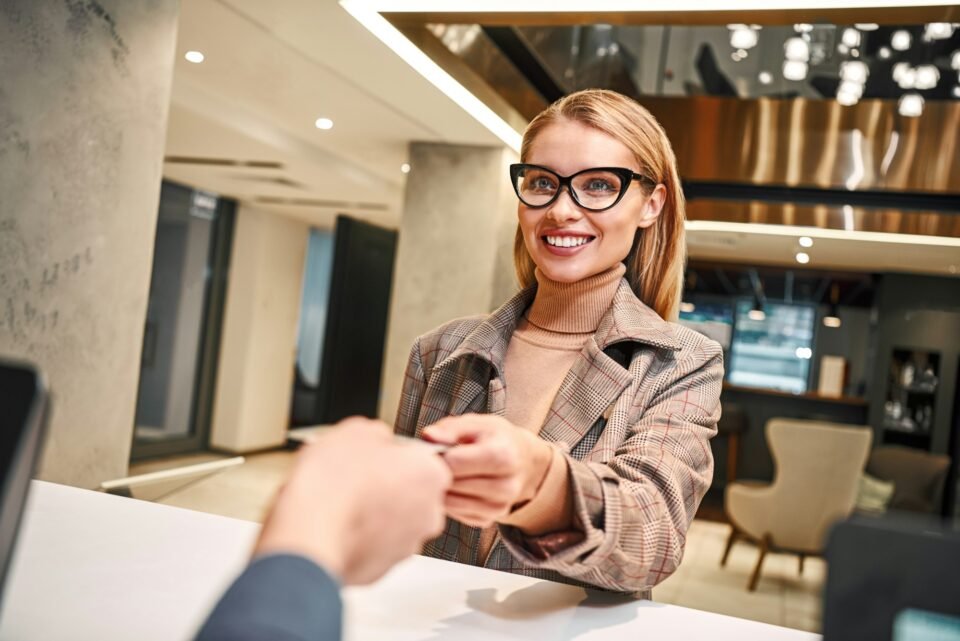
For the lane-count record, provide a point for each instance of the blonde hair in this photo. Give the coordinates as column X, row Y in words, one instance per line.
column 656, row 260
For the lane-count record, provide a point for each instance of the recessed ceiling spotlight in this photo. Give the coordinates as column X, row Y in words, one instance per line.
column 901, row 40
column 910, row 105
column 927, row 77
column 955, row 60
column 803, row 258
column 938, row 31
column 884, row 52
column 803, row 28
column 796, row 49
column 804, row 353
column 743, row 37
column 196, row 57
column 687, row 308
column 843, row 49
column 956, row 91
column 848, row 97
column 868, row 26
column 405, row 168
column 805, row 241
column 854, row 53
column 904, row 75
column 851, row 38
column 794, row 70
column 323, row 123
column 765, row 77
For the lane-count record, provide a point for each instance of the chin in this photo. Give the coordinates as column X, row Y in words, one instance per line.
column 566, row 273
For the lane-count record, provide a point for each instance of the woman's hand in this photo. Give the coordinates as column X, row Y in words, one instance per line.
column 496, row 466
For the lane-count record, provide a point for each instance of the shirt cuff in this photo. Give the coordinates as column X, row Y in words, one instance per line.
column 551, row 508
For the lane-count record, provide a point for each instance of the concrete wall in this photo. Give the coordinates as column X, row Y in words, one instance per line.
column 454, row 256
column 259, row 341
column 83, row 109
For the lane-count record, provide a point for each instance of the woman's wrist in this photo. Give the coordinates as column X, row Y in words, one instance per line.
column 541, row 454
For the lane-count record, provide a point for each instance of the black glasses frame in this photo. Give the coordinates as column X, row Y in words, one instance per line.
column 627, row 176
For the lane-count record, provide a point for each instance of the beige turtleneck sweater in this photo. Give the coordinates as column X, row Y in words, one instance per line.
column 543, row 348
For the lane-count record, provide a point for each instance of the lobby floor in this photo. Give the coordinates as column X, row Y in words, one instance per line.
column 783, row 597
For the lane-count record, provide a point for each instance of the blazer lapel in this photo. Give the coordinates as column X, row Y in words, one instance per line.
column 596, row 380
column 592, row 385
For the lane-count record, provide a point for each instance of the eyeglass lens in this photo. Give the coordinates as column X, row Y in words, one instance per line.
column 593, row 189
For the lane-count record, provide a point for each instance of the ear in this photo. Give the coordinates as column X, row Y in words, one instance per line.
column 652, row 207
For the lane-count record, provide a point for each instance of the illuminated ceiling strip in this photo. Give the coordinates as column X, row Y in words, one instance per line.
column 819, row 232
column 628, row 6
column 413, row 56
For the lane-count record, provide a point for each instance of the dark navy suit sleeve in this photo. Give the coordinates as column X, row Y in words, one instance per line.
column 280, row 597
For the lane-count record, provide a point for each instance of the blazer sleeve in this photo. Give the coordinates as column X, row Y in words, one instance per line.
column 414, row 386
column 632, row 512
column 279, row 597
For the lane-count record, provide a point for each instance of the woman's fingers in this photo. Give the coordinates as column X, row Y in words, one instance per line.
column 495, row 456
column 491, row 488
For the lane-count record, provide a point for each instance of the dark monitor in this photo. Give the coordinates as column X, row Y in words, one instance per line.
column 22, row 423
column 892, row 578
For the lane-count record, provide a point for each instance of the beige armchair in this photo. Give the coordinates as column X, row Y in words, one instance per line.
column 818, row 466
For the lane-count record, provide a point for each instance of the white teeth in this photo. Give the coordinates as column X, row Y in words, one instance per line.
column 567, row 241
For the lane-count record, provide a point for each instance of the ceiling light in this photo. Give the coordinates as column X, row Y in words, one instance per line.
column 196, row 57
column 796, row 49
column 368, row 15
column 955, row 60
column 803, row 28
column 843, row 49
column 805, row 241
column 765, row 77
column 804, row 352
column 956, row 91
column 323, row 123
column 794, row 70
column 911, row 105
column 850, row 37
column 927, row 77
column 854, row 53
column 901, row 39
column 687, row 308
column 405, row 168
column 803, row 258
column 817, row 233
column 868, row 26
column 743, row 37
column 756, row 315
column 849, row 98
column 938, row 31
column 905, row 75
column 832, row 321
column 884, row 52
column 854, row 71
column 632, row 6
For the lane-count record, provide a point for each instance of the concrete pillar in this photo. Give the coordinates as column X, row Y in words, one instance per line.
column 455, row 255
column 258, row 346
column 84, row 96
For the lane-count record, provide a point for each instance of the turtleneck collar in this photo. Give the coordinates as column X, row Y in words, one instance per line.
column 574, row 308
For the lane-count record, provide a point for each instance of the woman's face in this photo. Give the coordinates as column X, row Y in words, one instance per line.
column 567, row 147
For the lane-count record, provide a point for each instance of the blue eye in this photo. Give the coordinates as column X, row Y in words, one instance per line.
column 540, row 183
column 599, row 185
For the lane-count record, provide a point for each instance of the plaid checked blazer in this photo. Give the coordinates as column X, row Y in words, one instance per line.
column 635, row 435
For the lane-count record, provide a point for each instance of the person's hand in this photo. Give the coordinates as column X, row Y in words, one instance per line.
column 496, row 466
column 358, row 501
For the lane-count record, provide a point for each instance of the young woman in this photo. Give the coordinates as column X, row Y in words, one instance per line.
column 581, row 417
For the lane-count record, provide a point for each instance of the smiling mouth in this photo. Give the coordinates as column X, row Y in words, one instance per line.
column 567, row 241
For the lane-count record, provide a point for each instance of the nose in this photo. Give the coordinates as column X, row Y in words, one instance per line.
column 564, row 209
